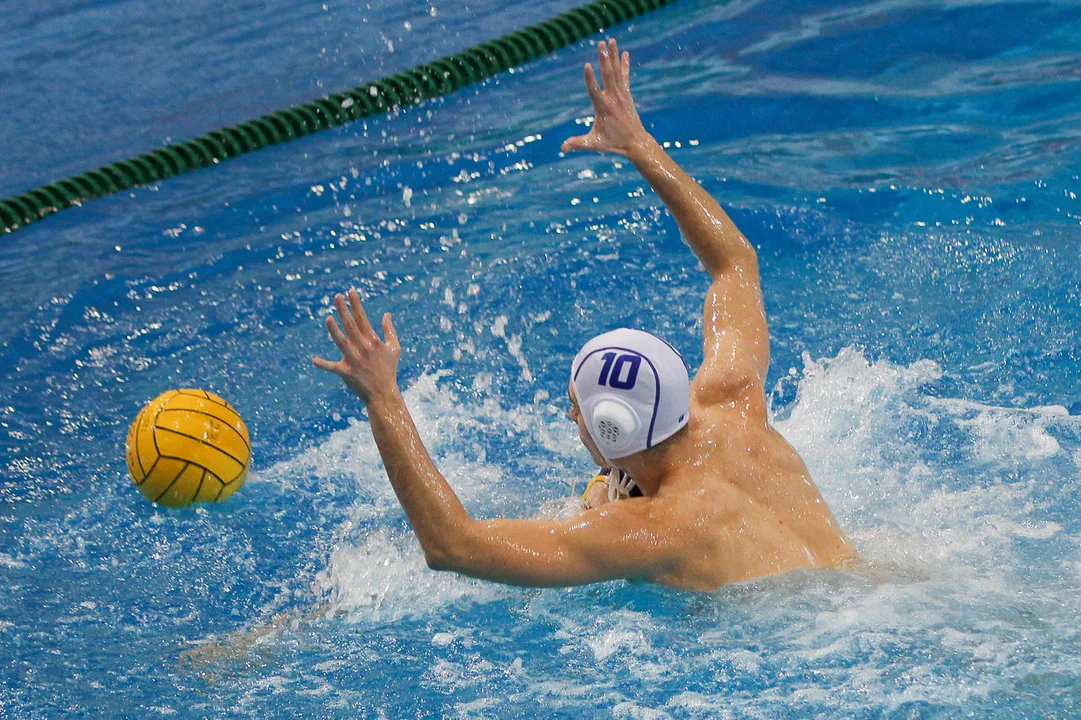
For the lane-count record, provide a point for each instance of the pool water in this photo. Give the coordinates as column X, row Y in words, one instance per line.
column 909, row 174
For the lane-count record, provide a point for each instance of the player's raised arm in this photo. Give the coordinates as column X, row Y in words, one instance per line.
column 734, row 321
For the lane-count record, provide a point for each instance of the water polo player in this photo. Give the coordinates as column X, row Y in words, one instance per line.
column 723, row 496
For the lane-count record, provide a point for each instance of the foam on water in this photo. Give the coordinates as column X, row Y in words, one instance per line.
column 383, row 577
column 951, row 498
column 376, row 570
column 968, row 596
column 907, row 171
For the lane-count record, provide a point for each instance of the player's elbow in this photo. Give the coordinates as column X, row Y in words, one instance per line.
column 453, row 550
column 445, row 558
column 740, row 262
column 437, row 560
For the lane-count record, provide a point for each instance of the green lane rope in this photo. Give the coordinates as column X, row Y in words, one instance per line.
column 424, row 82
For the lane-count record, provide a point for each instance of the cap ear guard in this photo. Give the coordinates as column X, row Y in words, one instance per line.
column 613, row 424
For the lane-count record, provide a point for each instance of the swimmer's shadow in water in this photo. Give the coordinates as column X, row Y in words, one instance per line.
column 245, row 649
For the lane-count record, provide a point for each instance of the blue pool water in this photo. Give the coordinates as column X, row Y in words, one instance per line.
column 909, row 173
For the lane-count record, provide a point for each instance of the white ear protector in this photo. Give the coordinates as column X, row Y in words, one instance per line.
column 614, row 424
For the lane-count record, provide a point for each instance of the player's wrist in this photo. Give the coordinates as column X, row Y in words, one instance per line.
column 642, row 148
column 385, row 397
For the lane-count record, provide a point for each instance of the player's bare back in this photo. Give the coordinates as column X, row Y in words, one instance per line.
column 724, row 496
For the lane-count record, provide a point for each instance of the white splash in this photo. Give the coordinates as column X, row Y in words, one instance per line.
column 378, row 573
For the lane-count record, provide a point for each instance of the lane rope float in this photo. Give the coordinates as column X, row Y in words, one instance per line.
column 424, row 82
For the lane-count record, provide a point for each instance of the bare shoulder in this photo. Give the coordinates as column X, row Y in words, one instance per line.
column 730, row 372
column 691, row 510
column 677, row 517
column 722, row 536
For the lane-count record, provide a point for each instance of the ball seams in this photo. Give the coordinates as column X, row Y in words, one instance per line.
column 221, row 485
column 189, row 432
column 235, row 459
column 170, row 485
column 135, row 451
column 154, row 437
column 190, row 392
column 199, row 487
column 146, row 475
column 212, row 416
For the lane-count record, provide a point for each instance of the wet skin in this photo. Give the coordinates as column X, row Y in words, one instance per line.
column 725, row 499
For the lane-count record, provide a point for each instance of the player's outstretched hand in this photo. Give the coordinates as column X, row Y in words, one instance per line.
column 369, row 366
column 616, row 126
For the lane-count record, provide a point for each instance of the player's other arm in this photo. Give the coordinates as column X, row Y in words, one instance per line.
column 609, row 543
column 369, row 367
column 735, row 334
column 713, row 236
column 622, row 540
column 734, row 322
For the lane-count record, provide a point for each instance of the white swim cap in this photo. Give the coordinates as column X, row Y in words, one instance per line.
column 633, row 391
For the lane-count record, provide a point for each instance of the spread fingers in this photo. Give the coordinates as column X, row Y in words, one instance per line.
column 592, row 87
column 340, row 339
column 361, row 317
column 348, row 322
column 604, row 59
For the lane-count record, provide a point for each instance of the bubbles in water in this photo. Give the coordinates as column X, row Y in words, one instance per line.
column 939, row 495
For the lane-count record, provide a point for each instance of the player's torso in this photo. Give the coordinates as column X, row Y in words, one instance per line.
column 753, row 508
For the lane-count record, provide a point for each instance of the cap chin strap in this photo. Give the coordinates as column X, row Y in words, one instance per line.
column 619, row 483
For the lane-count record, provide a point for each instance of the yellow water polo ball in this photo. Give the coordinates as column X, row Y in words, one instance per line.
column 188, row 446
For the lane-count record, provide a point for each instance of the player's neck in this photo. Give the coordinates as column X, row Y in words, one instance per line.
column 652, row 468
column 649, row 469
